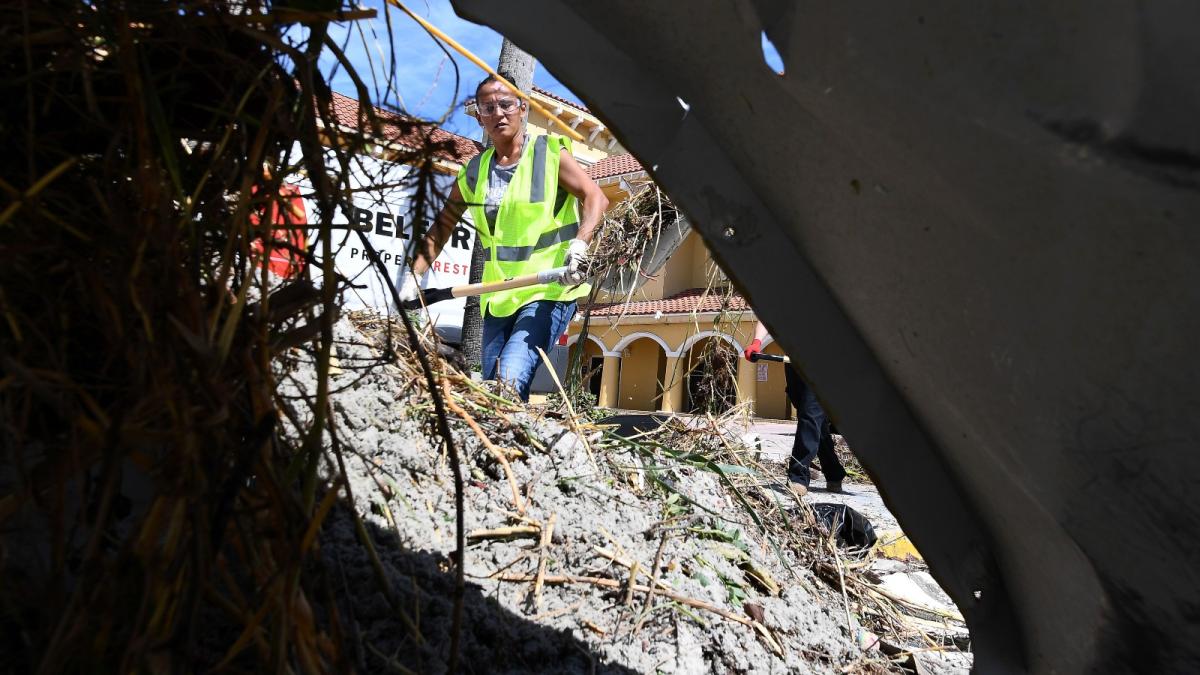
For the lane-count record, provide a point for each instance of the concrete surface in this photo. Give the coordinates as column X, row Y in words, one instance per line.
column 775, row 439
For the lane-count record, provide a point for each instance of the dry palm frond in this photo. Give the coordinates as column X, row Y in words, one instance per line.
column 628, row 247
column 631, row 229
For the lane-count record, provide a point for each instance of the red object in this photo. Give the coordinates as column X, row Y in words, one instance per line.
column 562, row 340
column 289, row 243
column 752, row 349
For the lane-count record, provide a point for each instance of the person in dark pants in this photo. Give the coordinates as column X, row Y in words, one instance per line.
column 813, row 435
column 813, row 438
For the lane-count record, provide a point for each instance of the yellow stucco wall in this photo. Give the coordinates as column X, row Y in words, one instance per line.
column 615, row 194
column 689, row 267
column 644, row 368
column 673, row 331
column 590, row 152
column 651, row 289
column 701, row 263
column 770, row 396
column 677, row 273
column 639, row 375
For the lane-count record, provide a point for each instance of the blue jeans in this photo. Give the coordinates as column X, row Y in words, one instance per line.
column 510, row 343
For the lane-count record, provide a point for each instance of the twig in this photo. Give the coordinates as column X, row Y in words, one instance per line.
column 765, row 633
column 521, row 518
column 571, row 416
column 910, row 605
column 613, row 540
column 390, row 661
column 504, row 532
column 560, row 611
column 487, row 443
column 841, row 580
column 662, row 543
column 285, row 16
column 628, row 564
column 633, row 572
column 547, row 535
column 613, row 583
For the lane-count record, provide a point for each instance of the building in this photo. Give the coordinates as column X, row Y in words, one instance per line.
column 644, row 352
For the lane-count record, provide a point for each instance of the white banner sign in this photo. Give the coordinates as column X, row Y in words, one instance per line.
column 382, row 212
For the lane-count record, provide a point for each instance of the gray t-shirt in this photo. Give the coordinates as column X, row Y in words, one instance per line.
column 498, row 179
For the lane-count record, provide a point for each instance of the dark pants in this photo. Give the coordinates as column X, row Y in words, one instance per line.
column 813, row 438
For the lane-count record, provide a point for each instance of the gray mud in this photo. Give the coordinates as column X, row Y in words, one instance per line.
column 402, row 489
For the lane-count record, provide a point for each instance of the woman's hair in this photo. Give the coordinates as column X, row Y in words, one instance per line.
column 492, row 78
column 483, row 82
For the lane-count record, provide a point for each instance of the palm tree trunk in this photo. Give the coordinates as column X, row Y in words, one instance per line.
column 517, row 67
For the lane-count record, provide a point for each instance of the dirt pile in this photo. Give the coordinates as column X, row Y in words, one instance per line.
column 560, row 518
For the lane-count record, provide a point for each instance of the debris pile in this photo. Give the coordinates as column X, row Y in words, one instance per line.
column 631, row 229
column 659, row 553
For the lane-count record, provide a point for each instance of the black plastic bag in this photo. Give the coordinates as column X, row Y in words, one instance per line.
column 853, row 529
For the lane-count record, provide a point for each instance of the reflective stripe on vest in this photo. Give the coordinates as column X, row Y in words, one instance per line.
column 537, row 187
column 473, row 172
column 523, row 253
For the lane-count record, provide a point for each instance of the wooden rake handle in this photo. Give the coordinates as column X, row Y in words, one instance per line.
column 434, row 295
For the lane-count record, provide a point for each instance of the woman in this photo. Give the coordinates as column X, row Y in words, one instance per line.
column 522, row 197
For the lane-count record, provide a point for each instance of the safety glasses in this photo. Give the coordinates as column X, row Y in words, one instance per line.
column 502, row 107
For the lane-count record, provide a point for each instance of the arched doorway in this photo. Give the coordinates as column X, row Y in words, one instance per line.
column 712, row 376
column 591, row 364
column 643, row 363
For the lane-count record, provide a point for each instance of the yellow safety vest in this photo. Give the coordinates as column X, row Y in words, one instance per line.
column 533, row 225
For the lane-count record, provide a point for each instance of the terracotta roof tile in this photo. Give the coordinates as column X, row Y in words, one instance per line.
column 407, row 131
column 684, row 302
column 556, row 97
column 616, row 165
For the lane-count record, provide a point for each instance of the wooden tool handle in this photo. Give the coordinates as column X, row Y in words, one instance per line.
column 434, row 295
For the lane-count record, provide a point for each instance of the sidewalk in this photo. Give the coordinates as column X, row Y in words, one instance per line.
column 776, row 438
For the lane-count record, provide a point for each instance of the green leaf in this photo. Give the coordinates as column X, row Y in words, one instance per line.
column 735, row 468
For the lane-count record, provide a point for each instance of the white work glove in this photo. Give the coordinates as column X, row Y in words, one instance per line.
column 577, row 256
column 409, row 288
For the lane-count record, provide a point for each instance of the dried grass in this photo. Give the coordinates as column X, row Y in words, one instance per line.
column 788, row 530
column 631, row 228
column 155, row 516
